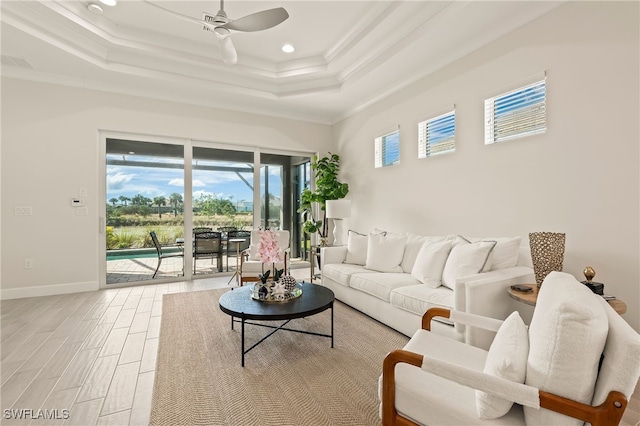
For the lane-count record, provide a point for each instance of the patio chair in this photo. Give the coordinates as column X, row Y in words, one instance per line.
column 163, row 255
column 202, row 229
column 578, row 361
column 225, row 230
column 207, row 244
column 236, row 249
column 251, row 266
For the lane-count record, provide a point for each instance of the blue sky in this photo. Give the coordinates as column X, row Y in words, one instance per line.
column 153, row 182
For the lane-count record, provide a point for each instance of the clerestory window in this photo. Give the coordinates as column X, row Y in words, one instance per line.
column 521, row 112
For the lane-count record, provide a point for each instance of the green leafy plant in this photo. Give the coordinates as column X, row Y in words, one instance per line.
column 328, row 187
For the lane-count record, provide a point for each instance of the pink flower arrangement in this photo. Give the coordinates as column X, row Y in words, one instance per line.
column 268, row 247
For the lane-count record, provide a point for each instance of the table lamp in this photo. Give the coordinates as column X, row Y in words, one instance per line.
column 338, row 210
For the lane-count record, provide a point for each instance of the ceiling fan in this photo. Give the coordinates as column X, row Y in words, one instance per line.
column 221, row 25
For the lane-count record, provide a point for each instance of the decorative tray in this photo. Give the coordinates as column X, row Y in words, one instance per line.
column 265, row 293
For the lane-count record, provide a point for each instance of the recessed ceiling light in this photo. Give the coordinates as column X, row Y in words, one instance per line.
column 95, row 8
column 288, row 48
column 109, row 2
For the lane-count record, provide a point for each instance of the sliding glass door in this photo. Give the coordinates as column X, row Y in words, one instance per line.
column 158, row 192
column 144, row 200
column 222, row 182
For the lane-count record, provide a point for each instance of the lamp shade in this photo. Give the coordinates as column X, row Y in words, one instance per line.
column 338, row 209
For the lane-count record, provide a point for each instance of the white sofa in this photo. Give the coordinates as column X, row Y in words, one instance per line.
column 396, row 278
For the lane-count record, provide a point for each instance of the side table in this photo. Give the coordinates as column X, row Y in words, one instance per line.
column 531, row 297
column 314, row 256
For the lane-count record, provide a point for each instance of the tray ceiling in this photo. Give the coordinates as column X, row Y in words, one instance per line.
column 348, row 54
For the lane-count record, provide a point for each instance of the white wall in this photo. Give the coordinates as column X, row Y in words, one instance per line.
column 50, row 149
column 581, row 177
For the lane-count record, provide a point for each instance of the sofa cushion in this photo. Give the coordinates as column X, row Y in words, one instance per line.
column 507, row 359
column 342, row 272
column 465, row 259
column 384, row 252
column 381, row 284
column 412, row 247
column 356, row 248
column 418, row 298
column 430, row 262
column 566, row 338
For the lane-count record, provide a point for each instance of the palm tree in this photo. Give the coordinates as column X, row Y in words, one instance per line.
column 160, row 201
column 113, row 201
column 124, row 200
column 175, row 199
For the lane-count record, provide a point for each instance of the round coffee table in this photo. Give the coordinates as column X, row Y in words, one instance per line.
column 238, row 304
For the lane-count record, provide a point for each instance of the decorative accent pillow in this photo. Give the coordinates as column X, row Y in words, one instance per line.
column 465, row 259
column 384, row 253
column 356, row 248
column 504, row 254
column 567, row 335
column 430, row 262
column 412, row 248
column 507, row 359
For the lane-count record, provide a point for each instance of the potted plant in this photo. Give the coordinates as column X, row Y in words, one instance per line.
column 327, row 188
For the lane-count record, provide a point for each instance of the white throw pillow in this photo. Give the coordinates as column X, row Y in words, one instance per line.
column 412, row 248
column 384, row 252
column 430, row 262
column 504, row 254
column 566, row 338
column 465, row 259
column 507, row 358
column 356, row 248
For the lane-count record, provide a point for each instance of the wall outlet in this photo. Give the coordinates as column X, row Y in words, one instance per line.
column 28, row 264
column 23, row 211
column 82, row 211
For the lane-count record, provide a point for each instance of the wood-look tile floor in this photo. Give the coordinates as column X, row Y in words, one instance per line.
column 89, row 358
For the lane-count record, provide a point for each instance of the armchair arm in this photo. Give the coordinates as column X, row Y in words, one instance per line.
column 609, row 413
column 485, row 323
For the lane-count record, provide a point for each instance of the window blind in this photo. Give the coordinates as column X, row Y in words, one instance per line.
column 518, row 113
column 437, row 135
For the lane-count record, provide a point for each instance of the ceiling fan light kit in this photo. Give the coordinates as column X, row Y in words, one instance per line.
column 221, row 25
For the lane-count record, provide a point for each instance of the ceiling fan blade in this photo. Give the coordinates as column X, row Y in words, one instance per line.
column 258, row 21
column 228, row 51
column 183, row 17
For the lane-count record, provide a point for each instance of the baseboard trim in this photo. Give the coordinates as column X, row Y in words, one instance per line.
column 47, row 290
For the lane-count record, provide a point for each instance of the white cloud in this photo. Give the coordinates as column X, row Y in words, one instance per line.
column 180, row 182
column 118, row 180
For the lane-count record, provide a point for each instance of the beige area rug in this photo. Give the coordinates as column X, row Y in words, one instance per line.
column 289, row 379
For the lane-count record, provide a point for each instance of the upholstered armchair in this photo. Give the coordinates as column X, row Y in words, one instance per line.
column 578, row 361
column 251, row 266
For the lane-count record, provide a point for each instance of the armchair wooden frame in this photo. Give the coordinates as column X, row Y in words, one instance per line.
column 609, row 413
